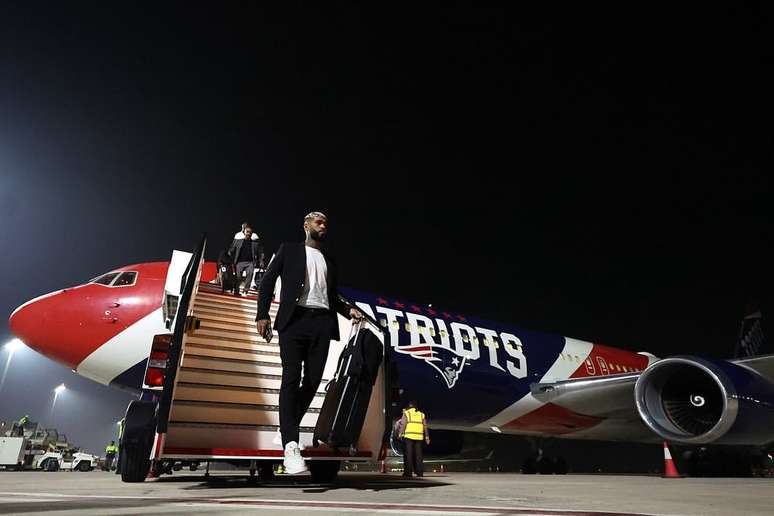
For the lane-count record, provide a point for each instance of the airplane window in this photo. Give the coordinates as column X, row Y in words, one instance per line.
column 383, row 323
column 444, row 334
column 432, row 332
column 105, row 279
column 126, row 279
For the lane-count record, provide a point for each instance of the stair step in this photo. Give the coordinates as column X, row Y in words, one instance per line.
column 269, row 355
column 227, row 426
column 242, row 326
column 259, row 397
column 225, row 317
column 259, row 348
column 226, row 310
column 236, row 339
column 226, row 365
column 206, row 412
column 234, row 355
column 236, row 379
column 227, row 300
column 234, row 336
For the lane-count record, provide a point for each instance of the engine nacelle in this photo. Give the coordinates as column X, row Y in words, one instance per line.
column 697, row 400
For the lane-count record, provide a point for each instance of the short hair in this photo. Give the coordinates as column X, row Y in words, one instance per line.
column 314, row 215
column 412, row 404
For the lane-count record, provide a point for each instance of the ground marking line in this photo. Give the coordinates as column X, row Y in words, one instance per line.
column 309, row 504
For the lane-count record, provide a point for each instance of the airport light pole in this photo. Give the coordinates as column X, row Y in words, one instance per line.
column 57, row 391
column 10, row 347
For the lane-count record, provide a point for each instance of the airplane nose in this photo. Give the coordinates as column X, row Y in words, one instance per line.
column 31, row 323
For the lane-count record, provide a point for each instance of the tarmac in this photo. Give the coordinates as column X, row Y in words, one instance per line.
column 184, row 492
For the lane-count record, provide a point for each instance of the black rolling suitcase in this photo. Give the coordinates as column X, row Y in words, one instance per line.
column 348, row 393
column 227, row 277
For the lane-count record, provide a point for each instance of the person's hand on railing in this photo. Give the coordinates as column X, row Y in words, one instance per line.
column 356, row 314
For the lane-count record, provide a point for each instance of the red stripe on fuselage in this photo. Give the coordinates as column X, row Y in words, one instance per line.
column 552, row 419
column 604, row 360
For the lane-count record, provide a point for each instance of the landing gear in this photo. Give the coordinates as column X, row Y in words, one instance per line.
column 138, row 440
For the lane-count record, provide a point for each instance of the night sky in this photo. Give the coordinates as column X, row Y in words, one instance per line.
column 599, row 173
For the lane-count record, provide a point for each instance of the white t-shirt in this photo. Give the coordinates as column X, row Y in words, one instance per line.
column 315, row 293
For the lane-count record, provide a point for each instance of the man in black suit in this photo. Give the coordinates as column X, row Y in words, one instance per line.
column 306, row 322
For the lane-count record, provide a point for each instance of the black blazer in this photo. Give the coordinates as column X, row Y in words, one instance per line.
column 290, row 264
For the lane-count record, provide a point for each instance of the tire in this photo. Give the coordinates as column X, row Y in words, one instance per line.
column 136, row 466
column 324, row 471
column 84, row 466
column 139, row 432
column 51, row 465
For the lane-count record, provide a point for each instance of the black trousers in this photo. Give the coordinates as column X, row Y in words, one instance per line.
column 305, row 340
column 109, row 460
column 413, row 459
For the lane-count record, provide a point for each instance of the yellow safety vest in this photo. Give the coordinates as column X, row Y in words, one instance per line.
column 415, row 428
column 111, row 449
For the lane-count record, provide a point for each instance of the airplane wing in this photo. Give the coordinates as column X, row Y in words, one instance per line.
column 763, row 365
column 608, row 398
column 611, row 400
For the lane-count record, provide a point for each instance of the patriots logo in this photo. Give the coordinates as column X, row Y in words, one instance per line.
column 446, row 361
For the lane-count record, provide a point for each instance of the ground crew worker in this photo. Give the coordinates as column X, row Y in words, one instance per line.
column 121, row 426
column 20, row 425
column 110, row 454
column 413, row 430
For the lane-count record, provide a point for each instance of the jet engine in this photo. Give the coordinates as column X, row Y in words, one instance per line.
column 696, row 400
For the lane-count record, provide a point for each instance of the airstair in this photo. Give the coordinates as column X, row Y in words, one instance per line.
column 225, row 395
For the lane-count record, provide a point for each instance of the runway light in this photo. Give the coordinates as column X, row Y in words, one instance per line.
column 14, row 345
column 60, row 388
column 495, row 429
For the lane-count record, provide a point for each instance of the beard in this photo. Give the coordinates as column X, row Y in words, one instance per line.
column 315, row 235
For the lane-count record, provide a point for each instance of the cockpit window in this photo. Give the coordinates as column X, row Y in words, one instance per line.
column 125, row 279
column 105, row 279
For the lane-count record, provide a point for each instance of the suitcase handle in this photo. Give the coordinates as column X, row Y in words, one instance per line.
column 354, row 330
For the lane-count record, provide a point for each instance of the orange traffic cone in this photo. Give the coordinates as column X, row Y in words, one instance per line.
column 670, row 471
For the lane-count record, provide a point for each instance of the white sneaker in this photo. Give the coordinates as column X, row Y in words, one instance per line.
column 294, row 462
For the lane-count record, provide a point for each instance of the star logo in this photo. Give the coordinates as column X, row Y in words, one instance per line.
column 399, row 305
column 382, row 301
column 432, row 312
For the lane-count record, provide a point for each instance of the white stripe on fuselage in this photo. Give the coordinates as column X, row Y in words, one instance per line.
column 560, row 370
column 123, row 351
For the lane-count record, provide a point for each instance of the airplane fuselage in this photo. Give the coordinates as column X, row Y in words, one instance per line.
column 467, row 374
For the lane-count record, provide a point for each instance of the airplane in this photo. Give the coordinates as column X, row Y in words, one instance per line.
column 467, row 374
